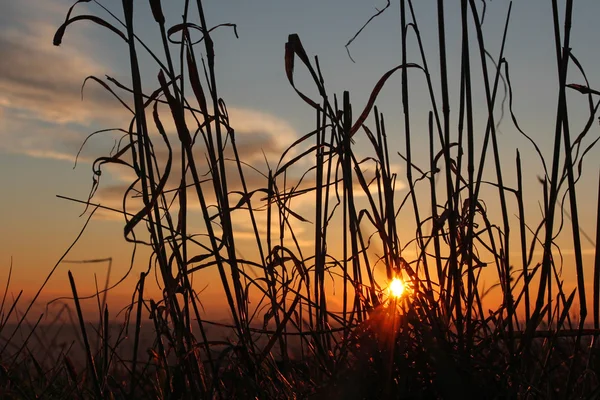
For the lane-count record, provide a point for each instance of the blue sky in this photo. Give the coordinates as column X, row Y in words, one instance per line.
column 43, row 120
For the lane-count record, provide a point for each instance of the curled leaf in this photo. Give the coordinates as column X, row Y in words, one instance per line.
column 61, row 29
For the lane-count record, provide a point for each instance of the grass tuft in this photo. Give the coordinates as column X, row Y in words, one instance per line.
column 289, row 336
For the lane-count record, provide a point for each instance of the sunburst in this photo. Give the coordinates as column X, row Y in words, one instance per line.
column 396, row 288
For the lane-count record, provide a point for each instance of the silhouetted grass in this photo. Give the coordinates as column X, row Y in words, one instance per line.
column 439, row 340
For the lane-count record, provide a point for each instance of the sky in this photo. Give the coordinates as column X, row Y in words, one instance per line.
column 44, row 120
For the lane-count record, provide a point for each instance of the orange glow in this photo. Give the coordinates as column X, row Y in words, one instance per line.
column 396, row 287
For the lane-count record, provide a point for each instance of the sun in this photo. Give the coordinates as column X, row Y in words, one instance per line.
column 396, row 287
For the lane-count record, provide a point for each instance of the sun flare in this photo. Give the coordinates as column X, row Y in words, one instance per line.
column 396, row 287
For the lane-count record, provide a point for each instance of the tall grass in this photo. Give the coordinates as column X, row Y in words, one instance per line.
column 298, row 340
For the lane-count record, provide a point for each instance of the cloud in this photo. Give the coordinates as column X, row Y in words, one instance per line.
column 368, row 171
column 41, row 111
column 251, row 155
column 258, row 136
column 41, row 81
column 42, row 114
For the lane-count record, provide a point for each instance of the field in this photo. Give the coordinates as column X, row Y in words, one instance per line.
column 435, row 282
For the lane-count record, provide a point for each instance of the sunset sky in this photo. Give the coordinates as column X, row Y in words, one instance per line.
column 43, row 120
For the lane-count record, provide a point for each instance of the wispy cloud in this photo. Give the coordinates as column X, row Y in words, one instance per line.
column 41, row 110
column 260, row 139
column 42, row 114
column 40, row 81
